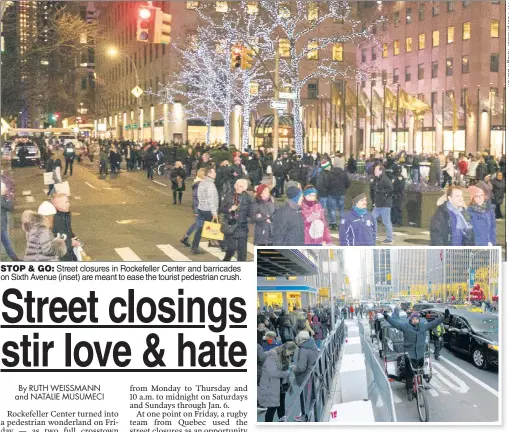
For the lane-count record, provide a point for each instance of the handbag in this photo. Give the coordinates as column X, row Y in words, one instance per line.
column 48, row 178
column 212, row 231
column 229, row 225
column 63, row 188
column 285, row 386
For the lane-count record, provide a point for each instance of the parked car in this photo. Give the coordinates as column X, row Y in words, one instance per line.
column 34, row 154
column 473, row 334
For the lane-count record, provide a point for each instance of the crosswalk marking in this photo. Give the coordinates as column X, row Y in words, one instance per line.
column 425, row 232
column 433, row 392
column 159, row 183
column 396, row 233
column 26, row 193
column 30, row 199
column 173, row 253
column 460, row 385
column 92, row 186
column 213, row 251
column 127, row 254
column 437, row 385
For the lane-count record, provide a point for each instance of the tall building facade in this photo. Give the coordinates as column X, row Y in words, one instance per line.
column 327, row 127
column 450, row 55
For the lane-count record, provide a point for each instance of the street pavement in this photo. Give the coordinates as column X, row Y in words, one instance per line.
column 459, row 391
column 130, row 218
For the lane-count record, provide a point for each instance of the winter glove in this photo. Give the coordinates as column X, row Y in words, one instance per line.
column 447, row 313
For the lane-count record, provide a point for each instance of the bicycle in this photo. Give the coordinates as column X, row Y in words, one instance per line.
column 418, row 390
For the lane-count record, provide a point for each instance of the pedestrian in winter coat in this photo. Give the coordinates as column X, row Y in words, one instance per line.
column 255, row 170
column 383, row 191
column 286, row 331
column 306, row 357
column 482, row 170
column 482, row 218
column 62, row 225
column 237, row 171
column 322, row 186
column 434, row 171
column 41, row 244
column 262, row 212
column 288, row 225
column 236, row 207
column 498, row 184
column 316, row 230
column 338, row 183
column 261, row 355
column 316, row 326
column 448, row 173
column 275, row 377
column 6, row 207
column 199, row 176
column 357, row 228
column 69, row 155
column 450, row 225
column 397, row 197
column 178, row 181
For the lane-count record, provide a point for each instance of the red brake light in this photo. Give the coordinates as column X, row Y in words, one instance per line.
column 145, row 13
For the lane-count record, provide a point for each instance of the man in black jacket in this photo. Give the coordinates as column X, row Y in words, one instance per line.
column 339, row 182
column 69, row 155
column 62, row 225
column 383, row 191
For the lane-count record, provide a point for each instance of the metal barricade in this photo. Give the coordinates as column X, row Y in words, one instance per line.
column 310, row 397
column 379, row 388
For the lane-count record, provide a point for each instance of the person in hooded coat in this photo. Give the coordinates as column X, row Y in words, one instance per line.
column 482, row 217
column 262, row 211
column 41, row 244
column 316, row 228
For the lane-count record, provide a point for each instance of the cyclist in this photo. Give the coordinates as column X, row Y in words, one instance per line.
column 414, row 333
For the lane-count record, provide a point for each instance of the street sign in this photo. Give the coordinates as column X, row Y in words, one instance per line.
column 471, row 278
column 137, row 92
column 285, row 95
column 323, row 292
column 277, row 104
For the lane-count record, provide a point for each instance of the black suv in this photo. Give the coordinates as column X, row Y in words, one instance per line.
column 474, row 334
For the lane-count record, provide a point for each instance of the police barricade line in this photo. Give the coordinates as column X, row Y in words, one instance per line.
column 379, row 386
column 310, row 397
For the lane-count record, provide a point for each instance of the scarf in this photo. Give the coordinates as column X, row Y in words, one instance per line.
column 480, row 208
column 359, row 211
column 461, row 222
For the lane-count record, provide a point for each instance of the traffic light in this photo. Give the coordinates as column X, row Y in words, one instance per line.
column 146, row 24
column 162, row 27
column 247, row 58
column 236, row 57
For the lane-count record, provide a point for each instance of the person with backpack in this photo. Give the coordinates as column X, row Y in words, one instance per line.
column 438, row 339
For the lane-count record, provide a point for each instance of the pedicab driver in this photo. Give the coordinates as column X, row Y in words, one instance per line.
column 414, row 333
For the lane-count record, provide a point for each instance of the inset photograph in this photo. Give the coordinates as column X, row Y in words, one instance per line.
column 372, row 335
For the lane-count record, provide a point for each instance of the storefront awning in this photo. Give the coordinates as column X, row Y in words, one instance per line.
column 288, row 288
column 283, row 262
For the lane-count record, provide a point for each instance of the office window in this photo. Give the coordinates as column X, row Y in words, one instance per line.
column 396, row 19
column 420, row 71
column 221, row 6
column 395, row 76
column 434, row 69
column 494, row 62
column 313, row 54
column 385, row 50
column 494, row 28
column 363, row 55
column 337, row 52
column 465, row 65
column 450, row 6
column 408, row 44
column 284, row 48
column 312, row 11
column 436, row 38
column 313, row 90
column 83, row 83
column 408, row 15
column 450, row 34
column 466, row 30
column 448, row 67
column 408, row 73
column 384, row 77
column 435, row 10
column 433, row 99
column 422, row 41
column 395, row 47
column 421, row 11
column 192, row 4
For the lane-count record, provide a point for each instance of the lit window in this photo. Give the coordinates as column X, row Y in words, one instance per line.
column 395, row 47
column 466, row 30
column 450, row 34
column 436, row 38
column 408, row 44
column 422, row 41
column 221, row 6
column 337, row 52
column 409, row 15
column 313, row 53
column 494, row 28
column 312, row 11
column 284, row 48
column 252, row 8
column 385, row 50
column 192, row 4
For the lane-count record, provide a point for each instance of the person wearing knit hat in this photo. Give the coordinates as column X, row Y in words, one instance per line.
column 288, row 225
column 482, row 216
column 357, row 227
column 316, row 230
column 325, row 164
column 6, row 208
column 262, row 211
column 280, row 168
